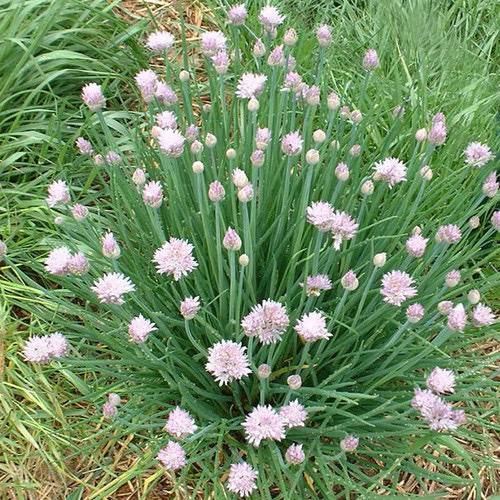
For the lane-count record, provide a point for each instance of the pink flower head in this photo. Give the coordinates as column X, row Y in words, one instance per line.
column 267, row 320
column 241, row 479
column 320, row 214
column 449, row 233
column 191, row 133
column 349, row 443
column 112, row 158
column 227, row 362
column 257, row 158
column 84, row 146
column 165, row 94
column 109, row 410
column 147, row 80
column 160, row 41
column 58, row 345
column 175, row 258
column 311, row 94
column 390, row 170
column 212, row 42
column 245, row 194
column 270, row 17
column 452, row 278
column 397, row 287
column 291, row 144
column 189, row 307
column 139, row 329
column 477, row 154
column 110, row 246
column 293, row 414
column 415, row 313
column 237, row 14
column 312, row 327
column 250, row 85
column 276, row 57
column 263, row 422
column 78, row 264
column 440, row 380
column 370, row 60
column 171, row 142
column 482, row 315
column 58, row 194
column 295, row 454
column 349, row 281
column 342, row 172
column 262, row 138
column 495, row 220
column 172, row 457
column 57, row 262
column 180, row 424
column 316, row 284
column 93, row 97
column 423, row 399
column 293, row 82
column 457, row 318
column 437, row 133
column 439, row 416
column 324, row 35
column 79, row 212
column 216, row 191
column 415, row 245
column 166, row 119
column 490, row 185
column 38, row 350
column 239, row 178
column 221, row 62
column 445, row 307
column 152, row 194
column 111, row 287
column 343, row 228
column 259, row 49
column 114, row 399
column 231, row 240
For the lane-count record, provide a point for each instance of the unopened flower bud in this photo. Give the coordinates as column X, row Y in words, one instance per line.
column 114, row 399
column 380, row 259
column 421, row 135
column 349, row 443
column 367, row 188
column 398, row 111
column 231, row 154
column 231, row 240
column 474, row 222
column 3, row 249
column 156, row 131
column 210, row 140
column 184, row 76
column 426, row 173
column 417, row 230
column 58, row 220
column 356, row 116
column 342, row 172
column 257, row 158
column 312, row 157
column 239, row 177
column 259, row 49
column 474, row 297
column 244, row 260
column 245, row 194
column 294, row 382
column 264, row 371
column 253, row 105
column 198, row 167
column 355, row 150
column 80, row 212
column 333, row 101
column 349, row 281
column 445, row 307
column 319, row 136
column 216, row 191
column 139, row 177
column 290, row 37
column 335, row 144
column 196, row 147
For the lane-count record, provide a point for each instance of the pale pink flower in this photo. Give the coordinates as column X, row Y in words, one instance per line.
column 245, row 194
column 147, row 80
column 449, row 233
column 320, row 214
column 58, row 194
column 241, row 479
column 80, row 212
column 267, row 320
column 477, row 154
column 84, row 146
column 452, row 278
column 312, row 327
column 390, row 170
column 415, row 245
column 259, row 49
column 172, row 457
column 93, row 97
column 212, row 42
column 221, row 62
column 445, row 307
column 397, row 287
column 165, row 94
column 293, row 414
column 263, row 422
column 174, row 258
column 441, row 380
column 291, row 144
column 78, row 264
column 114, row 399
column 111, row 287
column 276, row 57
column 316, row 284
column 495, row 220
column 415, row 313
column 437, row 133
column 110, row 246
column 439, row 416
column 180, row 424
column 270, row 17
column 237, row 14
column 57, row 262
column 482, row 315
column 112, row 158
column 139, row 329
column 490, row 185
column 293, row 82
column 189, row 307
column 342, row 172
column 38, row 350
column 349, row 281
column 239, row 178
column 264, row 371
column 159, row 41
column 171, row 142
column 294, row 382
column 257, row 158
column 457, row 318
column 58, row 345
column 227, row 362
column 343, row 227
column 109, row 410
column 311, row 94
column 152, row 194
column 250, row 85
column 166, row 119
column 262, row 138
column 349, row 443
column 294, row 454
column 290, row 37
column 370, row 60
column 324, row 35
column 231, row 240
column 216, row 191
column 423, row 399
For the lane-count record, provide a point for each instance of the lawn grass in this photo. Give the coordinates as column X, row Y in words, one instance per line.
column 442, row 54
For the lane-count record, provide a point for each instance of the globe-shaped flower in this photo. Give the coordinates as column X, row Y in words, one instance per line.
column 449, row 233
column 415, row 245
column 295, row 454
column 180, row 424
column 111, row 287
column 293, row 414
column 343, row 227
column 482, row 315
column 227, row 362
column 93, row 97
column 477, row 154
column 291, row 144
column 441, row 380
column 172, row 457
column 159, row 41
column 316, row 284
column 171, row 142
column 250, row 85
column 312, row 327
column 270, row 18
column 397, row 287
column 174, row 258
column 390, row 170
column 268, row 321
column 263, row 422
column 457, row 318
column 241, row 479
column 58, row 260
column 320, row 214
column 139, row 329
column 58, row 194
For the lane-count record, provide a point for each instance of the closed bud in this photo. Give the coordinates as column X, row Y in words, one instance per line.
column 245, row 194
column 231, row 154
column 474, row 222
column 210, row 140
column 58, row 220
column 367, row 188
column 198, row 167
column 335, row 144
column 264, row 371
column 244, row 260
column 184, row 76
column 344, row 112
column 239, row 177
column 333, row 101
column 445, row 307
column 253, row 105
column 380, row 259
column 426, row 173
column 196, row 147
column 259, row 49
column 80, row 212
column 312, row 157
column 417, row 230
column 156, row 131
column 342, row 172
column 3, row 249
column 231, row 240
column 356, row 116
column 290, row 37
column 355, row 150
column 319, row 136
column 216, row 191
column 349, row 281
column 257, row 158
column 294, row 382
column 421, row 135
column 474, row 297
column 139, row 177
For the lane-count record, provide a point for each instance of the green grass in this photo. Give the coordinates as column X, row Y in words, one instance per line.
column 442, row 56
